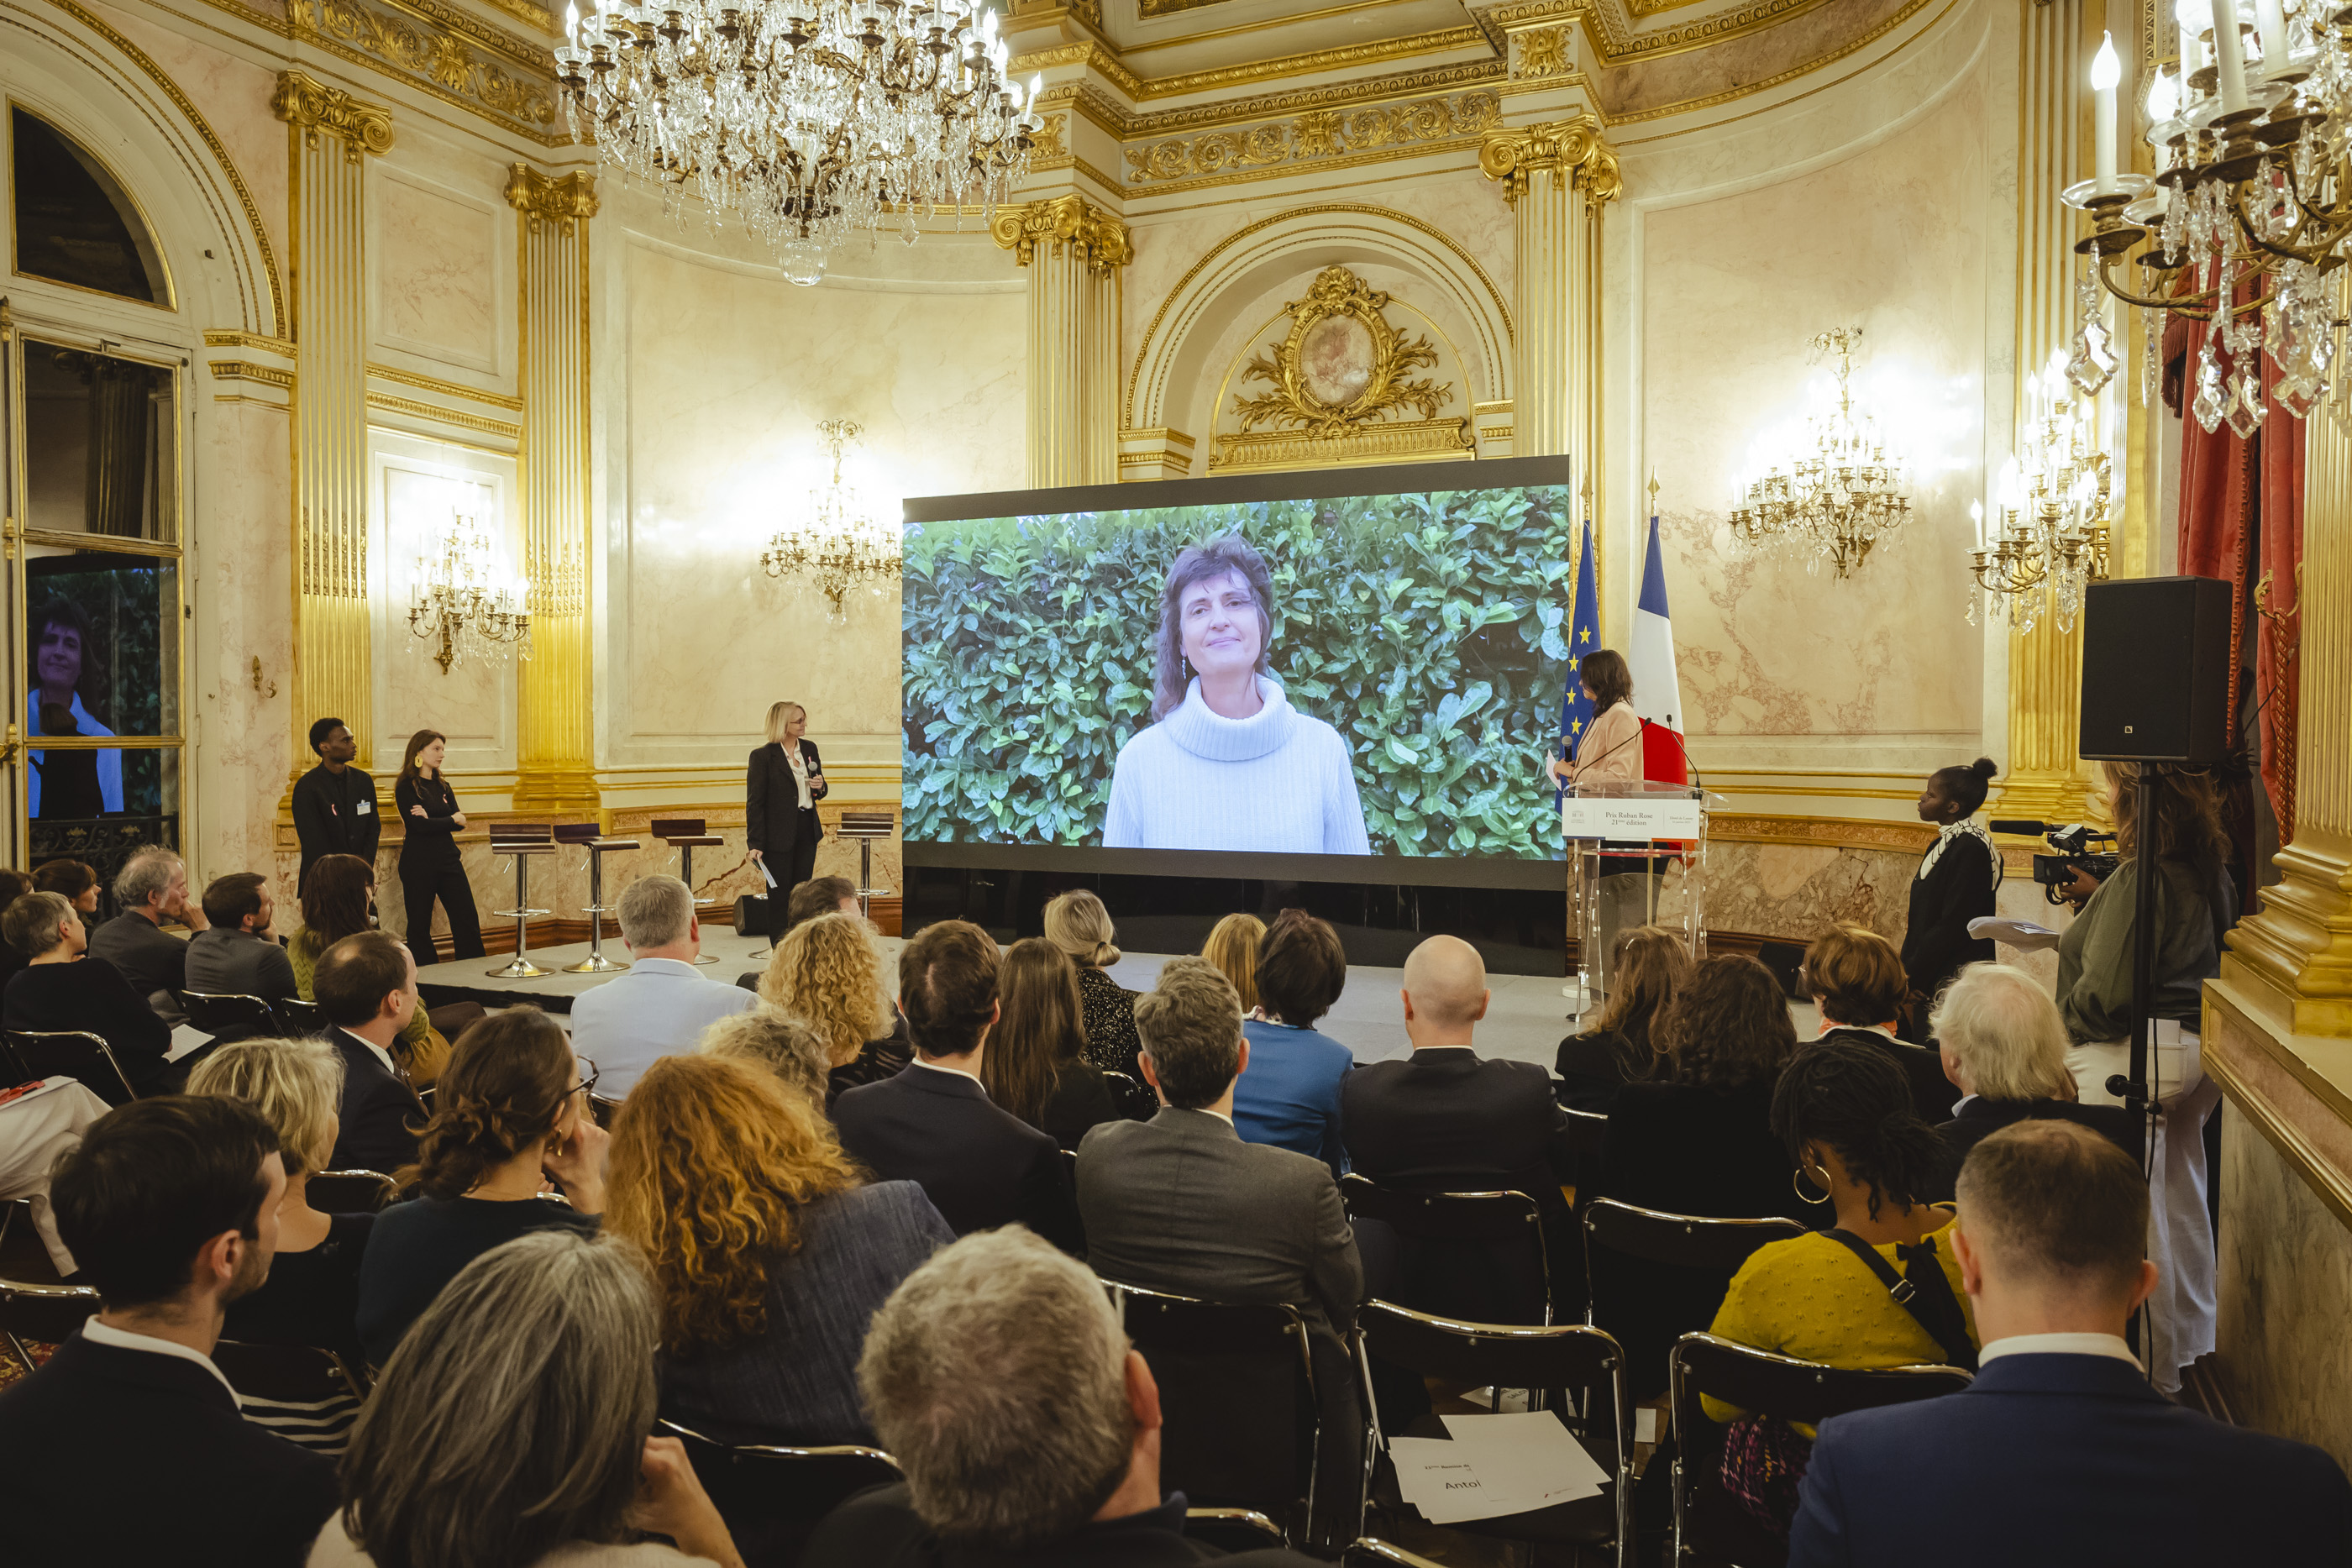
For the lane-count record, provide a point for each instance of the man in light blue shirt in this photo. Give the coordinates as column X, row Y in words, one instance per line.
column 661, row 1006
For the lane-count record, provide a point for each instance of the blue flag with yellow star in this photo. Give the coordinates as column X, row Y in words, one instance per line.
column 1584, row 637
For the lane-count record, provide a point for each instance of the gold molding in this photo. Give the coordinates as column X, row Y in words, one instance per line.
column 1572, row 151
column 1338, row 295
column 2243, row 1048
column 246, row 370
column 447, row 389
column 1317, row 136
column 1537, row 52
column 1389, row 88
column 429, row 51
column 1067, row 222
column 1765, row 84
column 1407, row 440
column 1311, row 61
column 1820, row 832
column 561, row 198
column 1613, row 42
column 434, row 411
column 220, row 337
column 310, row 105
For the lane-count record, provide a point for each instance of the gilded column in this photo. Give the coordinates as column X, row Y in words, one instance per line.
column 330, row 134
column 1558, row 178
column 1073, row 252
column 556, row 756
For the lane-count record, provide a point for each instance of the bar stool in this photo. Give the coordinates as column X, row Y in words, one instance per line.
column 585, row 835
column 522, row 840
column 866, row 827
column 686, row 835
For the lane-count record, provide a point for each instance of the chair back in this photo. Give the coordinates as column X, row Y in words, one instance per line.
column 71, row 1053
column 1367, row 1552
column 1680, row 1240
column 45, row 1313
column 24, row 1256
column 1708, row 1526
column 1652, row 1276
column 603, row 1107
column 228, row 1013
column 297, row 1378
column 296, row 1017
column 1233, row 1530
column 1130, row 1099
column 350, row 1192
column 1585, row 1131
column 1236, row 1395
column 771, row 1497
column 1465, row 1250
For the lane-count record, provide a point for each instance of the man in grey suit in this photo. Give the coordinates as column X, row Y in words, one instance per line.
column 237, row 956
column 1180, row 1204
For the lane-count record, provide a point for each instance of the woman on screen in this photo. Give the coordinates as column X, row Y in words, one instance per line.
column 80, row 784
column 1228, row 764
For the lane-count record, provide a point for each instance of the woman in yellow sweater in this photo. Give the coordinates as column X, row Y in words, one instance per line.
column 1845, row 1110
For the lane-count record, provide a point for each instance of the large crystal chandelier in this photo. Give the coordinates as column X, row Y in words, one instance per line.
column 2249, row 210
column 810, row 119
column 2051, row 512
column 839, row 543
column 458, row 608
column 1837, row 496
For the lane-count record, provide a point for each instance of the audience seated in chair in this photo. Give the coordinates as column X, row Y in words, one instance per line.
column 76, row 880
column 36, row 1130
column 14, row 885
column 1181, row 1204
column 662, row 1003
column 511, row 1428
column 152, row 888
column 236, row 955
column 312, row 1294
column 2060, row 1453
column 64, row 988
column 1290, row 1097
column 2004, row 1046
column 933, row 1123
column 788, row 1048
column 367, row 986
column 1077, row 923
column 1036, row 1064
column 817, row 895
column 1232, row 946
column 511, row 1114
column 1856, row 977
column 1029, row 1431
column 827, row 970
column 127, row 1447
column 769, row 1250
column 338, row 901
column 1648, row 963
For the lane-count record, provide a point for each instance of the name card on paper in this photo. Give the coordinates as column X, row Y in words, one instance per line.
column 1631, row 816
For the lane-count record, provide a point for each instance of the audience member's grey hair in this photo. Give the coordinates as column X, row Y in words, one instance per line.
column 996, row 1374
column 655, row 910
column 783, row 1043
column 512, row 1419
column 148, row 872
column 33, row 923
column 1191, row 1026
column 2004, row 1032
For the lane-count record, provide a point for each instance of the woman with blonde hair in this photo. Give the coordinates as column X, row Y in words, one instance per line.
column 827, row 972
column 1232, row 946
column 770, row 1252
column 1077, row 923
column 1035, row 1064
column 781, row 791
column 769, row 1038
column 1651, row 964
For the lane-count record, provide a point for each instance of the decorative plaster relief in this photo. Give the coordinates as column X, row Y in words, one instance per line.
column 435, row 53
column 1319, row 134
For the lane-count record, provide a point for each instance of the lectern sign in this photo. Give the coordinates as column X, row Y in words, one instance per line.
column 1631, row 816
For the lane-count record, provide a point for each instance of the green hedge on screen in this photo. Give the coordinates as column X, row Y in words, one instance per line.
column 1427, row 628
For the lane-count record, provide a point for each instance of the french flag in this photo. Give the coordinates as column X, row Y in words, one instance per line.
column 1657, row 690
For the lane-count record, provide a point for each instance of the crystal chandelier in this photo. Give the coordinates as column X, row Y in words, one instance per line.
column 455, row 605
column 810, row 119
column 839, row 543
column 2251, row 204
column 2052, row 510
column 1838, row 496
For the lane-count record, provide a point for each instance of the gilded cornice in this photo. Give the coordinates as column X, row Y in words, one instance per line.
column 1613, row 37
column 433, row 413
column 229, row 337
column 1143, row 89
column 309, row 104
column 1336, row 95
column 1071, row 220
column 426, row 50
column 563, row 198
column 1572, row 151
column 434, row 384
column 1316, row 136
column 1763, row 84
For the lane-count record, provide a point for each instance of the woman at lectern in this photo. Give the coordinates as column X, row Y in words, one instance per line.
column 1227, row 763
column 780, row 824
column 1611, row 746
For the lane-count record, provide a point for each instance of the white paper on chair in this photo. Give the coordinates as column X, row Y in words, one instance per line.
column 2022, row 934
column 185, row 1037
column 1494, row 1465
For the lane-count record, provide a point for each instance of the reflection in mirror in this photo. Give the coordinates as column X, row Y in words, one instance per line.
column 74, row 222
column 102, row 653
column 100, row 444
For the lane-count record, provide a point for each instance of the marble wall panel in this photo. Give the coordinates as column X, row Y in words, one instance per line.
column 1792, row 892
column 241, row 656
column 436, row 263
column 417, row 487
column 2285, row 1272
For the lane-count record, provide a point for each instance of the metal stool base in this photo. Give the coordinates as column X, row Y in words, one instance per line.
column 594, row 964
column 522, row 968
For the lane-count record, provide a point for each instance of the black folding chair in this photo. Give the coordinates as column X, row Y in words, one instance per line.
column 1566, row 1356
column 228, row 1015
column 47, row 1315
column 1233, row 1529
column 1367, row 1552
column 24, row 1256
column 1709, row 1528
column 296, row 1017
column 305, row 1393
column 71, row 1053
column 1131, row 1099
column 1652, row 1277
column 603, row 1107
column 771, row 1497
column 350, row 1192
column 1480, row 1252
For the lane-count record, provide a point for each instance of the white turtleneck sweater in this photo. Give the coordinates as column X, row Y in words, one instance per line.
column 1277, row 782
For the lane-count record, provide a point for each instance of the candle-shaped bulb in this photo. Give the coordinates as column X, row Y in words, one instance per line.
column 2270, row 26
column 1975, row 516
column 2106, row 70
column 571, row 23
column 2163, row 97
column 2229, row 58
column 2107, row 66
column 988, row 25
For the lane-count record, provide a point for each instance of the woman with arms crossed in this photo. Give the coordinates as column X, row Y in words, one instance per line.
column 430, row 867
column 780, row 823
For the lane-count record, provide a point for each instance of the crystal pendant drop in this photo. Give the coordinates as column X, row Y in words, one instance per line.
column 2246, row 411
column 907, row 232
column 2094, row 361
column 2208, row 405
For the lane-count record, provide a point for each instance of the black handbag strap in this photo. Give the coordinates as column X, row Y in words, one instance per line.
column 1923, row 1290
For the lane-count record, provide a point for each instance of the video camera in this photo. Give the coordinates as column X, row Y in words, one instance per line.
column 2073, row 846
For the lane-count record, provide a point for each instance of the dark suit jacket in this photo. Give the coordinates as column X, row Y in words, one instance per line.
column 1933, row 1095
column 149, row 957
column 237, row 963
column 879, row 1528
column 1980, row 1118
column 429, row 842
column 772, row 801
column 2064, row 1462
column 114, row 1456
column 328, row 819
column 982, row 1165
column 379, row 1111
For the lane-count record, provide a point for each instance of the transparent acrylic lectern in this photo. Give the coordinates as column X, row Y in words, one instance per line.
column 1637, row 856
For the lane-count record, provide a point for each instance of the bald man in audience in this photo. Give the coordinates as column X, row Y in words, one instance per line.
column 1445, row 1119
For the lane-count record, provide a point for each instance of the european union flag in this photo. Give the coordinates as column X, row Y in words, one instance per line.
column 1584, row 637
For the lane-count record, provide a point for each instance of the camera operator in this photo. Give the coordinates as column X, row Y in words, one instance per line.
column 2194, row 906
column 2077, row 891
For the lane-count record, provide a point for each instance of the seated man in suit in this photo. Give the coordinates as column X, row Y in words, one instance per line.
column 237, row 956
column 1181, row 1204
column 933, row 1124
column 1444, row 1120
column 1856, row 977
column 661, row 1005
column 1001, row 1358
column 2004, row 1047
column 366, row 984
column 2059, row 1453
column 152, row 888
column 127, row 1446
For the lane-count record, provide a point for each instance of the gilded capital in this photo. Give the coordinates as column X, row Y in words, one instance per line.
column 1573, row 150
column 546, row 196
column 1101, row 239
column 309, row 104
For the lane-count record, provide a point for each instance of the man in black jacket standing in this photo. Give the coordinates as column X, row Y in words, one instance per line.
column 335, row 803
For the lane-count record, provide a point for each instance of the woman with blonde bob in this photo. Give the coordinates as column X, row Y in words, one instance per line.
column 1077, row 923
column 1232, row 946
column 770, row 1252
column 828, row 973
column 786, row 781
column 765, row 1037
column 510, row 1428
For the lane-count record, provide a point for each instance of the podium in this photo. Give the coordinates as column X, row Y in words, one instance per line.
column 1637, row 856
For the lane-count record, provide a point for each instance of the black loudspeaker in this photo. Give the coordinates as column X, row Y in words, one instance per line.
column 2156, row 669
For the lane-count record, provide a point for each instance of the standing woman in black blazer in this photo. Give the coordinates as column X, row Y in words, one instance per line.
column 787, row 780
column 429, row 863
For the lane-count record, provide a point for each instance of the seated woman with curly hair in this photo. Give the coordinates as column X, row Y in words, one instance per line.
column 829, row 972
column 769, row 1250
